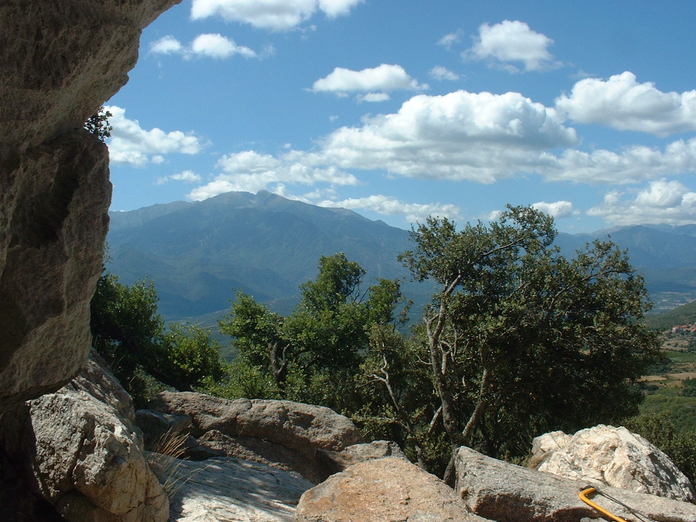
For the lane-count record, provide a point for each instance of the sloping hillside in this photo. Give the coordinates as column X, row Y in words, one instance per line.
column 685, row 314
column 200, row 254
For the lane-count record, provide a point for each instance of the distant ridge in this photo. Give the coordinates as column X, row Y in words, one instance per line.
column 684, row 314
column 199, row 254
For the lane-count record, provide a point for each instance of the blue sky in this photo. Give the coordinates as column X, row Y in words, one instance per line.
column 400, row 109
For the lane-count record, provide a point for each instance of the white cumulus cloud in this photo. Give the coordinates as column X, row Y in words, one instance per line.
column 218, row 46
column 450, row 39
column 132, row 144
column 460, row 135
column 166, row 45
column 440, row 72
column 556, row 209
column 275, row 15
column 373, row 97
column 187, row 176
column 385, row 77
column 661, row 202
column 251, row 171
column 512, row 41
column 413, row 212
column 631, row 165
column 210, row 45
column 623, row 103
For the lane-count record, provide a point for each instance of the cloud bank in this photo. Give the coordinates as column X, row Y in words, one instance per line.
column 131, row 144
column 274, row 15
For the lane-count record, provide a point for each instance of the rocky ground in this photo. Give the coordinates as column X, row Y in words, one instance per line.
column 279, row 460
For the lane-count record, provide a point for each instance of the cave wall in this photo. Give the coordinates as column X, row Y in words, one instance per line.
column 59, row 61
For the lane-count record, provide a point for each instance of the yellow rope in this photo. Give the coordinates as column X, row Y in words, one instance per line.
column 590, row 491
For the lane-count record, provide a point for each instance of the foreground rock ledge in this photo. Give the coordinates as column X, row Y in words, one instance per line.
column 508, row 493
column 226, row 489
column 385, row 489
column 287, row 435
column 302, row 427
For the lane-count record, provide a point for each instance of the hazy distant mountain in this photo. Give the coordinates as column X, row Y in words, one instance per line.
column 664, row 254
column 200, row 254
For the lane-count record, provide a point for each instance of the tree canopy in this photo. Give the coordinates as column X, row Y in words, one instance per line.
column 129, row 333
column 516, row 341
column 521, row 340
column 314, row 353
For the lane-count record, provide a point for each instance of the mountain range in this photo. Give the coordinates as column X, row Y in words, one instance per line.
column 199, row 254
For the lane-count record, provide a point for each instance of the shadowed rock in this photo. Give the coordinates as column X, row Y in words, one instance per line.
column 84, row 455
column 227, row 489
column 58, row 62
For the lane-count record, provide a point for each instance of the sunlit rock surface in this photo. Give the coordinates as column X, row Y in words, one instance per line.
column 508, row 493
column 613, row 456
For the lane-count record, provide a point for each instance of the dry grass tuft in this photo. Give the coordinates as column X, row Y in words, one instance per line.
column 165, row 460
column 172, row 444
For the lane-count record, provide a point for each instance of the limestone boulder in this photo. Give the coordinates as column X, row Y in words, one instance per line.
column 227, row 489
column 86, row 457
column 59, row 61
column 301, row 427
column 286, row 435
column 612, row 456
column 383, row 489
column 53, row 219
column 509, row 493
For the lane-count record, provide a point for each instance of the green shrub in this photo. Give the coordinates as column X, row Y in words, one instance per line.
column 680, row 446
column 689, row 388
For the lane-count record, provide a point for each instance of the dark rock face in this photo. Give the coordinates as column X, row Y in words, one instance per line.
column 61, row 60
column 53, row 219
column 58, row 62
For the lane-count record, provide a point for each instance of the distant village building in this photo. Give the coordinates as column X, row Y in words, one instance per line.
column 684, row 328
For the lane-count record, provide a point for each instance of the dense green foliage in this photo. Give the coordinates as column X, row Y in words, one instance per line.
column 679, row 445
column 517, row 341
column 521, row 340
column 130, row 335
column 313, row 354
